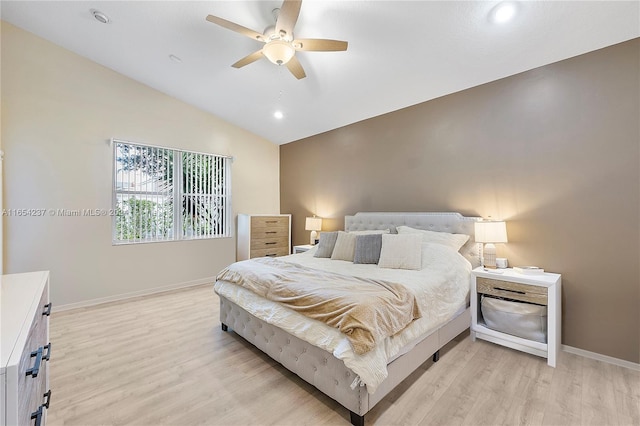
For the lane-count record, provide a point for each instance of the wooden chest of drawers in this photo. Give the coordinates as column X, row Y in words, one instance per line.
column 263, row 235
column 24, row 348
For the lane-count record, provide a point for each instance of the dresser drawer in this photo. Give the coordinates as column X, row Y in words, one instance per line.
column 270, row 243
column 512, row 290
column 271, row 232
column 273, row 252
column 269, row 222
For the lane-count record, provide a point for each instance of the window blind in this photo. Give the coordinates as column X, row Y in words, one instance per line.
column 165, row 194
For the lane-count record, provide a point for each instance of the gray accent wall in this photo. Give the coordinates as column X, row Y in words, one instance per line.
column 554, row 151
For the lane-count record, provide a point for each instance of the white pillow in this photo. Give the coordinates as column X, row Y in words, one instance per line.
column 345, row 247
column 455, row 241
column 401, row 251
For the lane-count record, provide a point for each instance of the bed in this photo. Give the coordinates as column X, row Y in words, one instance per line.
column 320, row 354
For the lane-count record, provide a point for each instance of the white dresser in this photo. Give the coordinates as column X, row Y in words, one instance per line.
column 24, row 348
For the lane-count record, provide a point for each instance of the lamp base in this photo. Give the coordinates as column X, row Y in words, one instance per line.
column 314, row 236
column 489, row 256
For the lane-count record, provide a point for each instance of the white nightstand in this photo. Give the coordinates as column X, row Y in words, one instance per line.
column 543, row 289
column 302, row 248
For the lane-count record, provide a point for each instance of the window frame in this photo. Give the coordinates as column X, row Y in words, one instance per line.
column 178, row 234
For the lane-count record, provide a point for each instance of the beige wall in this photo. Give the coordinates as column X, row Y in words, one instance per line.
column 554, row 151
column 58, row 112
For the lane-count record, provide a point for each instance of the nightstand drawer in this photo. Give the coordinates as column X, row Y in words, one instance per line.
column 512, row 290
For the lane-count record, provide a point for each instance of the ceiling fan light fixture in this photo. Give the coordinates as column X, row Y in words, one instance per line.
column 278, row 52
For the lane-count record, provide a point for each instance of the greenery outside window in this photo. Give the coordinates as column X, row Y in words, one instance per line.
column 164, row 194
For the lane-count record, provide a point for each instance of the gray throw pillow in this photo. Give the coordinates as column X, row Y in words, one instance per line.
column 368, row 248
column 326, row 244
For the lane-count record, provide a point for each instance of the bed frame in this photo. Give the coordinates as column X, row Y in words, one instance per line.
column 329, row 374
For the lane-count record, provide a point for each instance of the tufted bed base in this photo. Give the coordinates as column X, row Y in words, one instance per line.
column 327, row 373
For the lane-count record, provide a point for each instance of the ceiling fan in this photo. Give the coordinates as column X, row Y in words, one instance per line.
column 279, row 45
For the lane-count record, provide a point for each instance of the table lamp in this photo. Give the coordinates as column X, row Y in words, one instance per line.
column 490, row 232
column 313, row 224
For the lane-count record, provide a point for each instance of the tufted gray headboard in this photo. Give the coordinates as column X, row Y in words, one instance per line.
column 453, row 223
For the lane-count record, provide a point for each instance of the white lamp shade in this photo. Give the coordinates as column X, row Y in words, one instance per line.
column 491, row 232
column 313, row 224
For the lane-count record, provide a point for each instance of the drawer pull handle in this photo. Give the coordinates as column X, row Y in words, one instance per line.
column 509, row 290
column 47, row 309
column 271, row 255
column 268, row 244
column 48, row 399
column 48, row 355
column 271, row 221
column 271, row 232
column 33, row 371
column 37, row 415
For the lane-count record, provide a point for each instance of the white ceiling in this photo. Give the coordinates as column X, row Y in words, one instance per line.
column 400, row 52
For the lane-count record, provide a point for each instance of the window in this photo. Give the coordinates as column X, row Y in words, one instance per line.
column 163, row 194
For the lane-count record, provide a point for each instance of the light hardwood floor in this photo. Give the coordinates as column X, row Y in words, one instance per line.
column 163, row 360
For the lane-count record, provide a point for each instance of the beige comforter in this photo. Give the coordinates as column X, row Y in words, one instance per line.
column 365, row 310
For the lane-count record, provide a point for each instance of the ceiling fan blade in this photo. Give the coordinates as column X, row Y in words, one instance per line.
column 296, row 68
column 288, row 17
column 235, row 27
column 319, row 45
column 248, row 59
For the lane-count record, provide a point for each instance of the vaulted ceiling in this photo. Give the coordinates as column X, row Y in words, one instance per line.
column 400, row 52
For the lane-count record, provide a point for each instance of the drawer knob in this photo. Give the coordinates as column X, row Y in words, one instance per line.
column 47, row 309
column 33, row 371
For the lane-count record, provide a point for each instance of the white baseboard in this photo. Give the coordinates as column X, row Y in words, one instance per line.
column 124, row 296
column 604, row 358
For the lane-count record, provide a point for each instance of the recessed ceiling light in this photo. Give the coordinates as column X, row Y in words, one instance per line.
column 279, row 115
column 174, row 58
column 100, row 17
column 504, row 12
